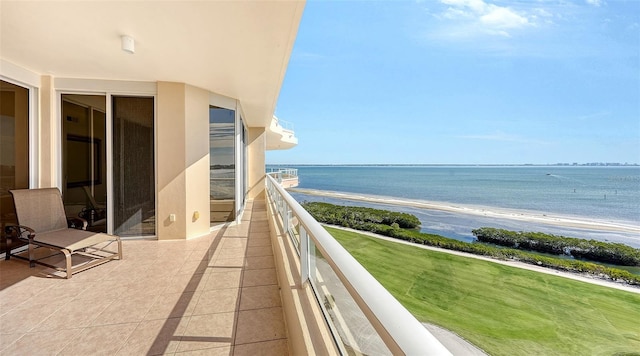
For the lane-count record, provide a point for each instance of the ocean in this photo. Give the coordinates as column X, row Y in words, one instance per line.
column 609, row 194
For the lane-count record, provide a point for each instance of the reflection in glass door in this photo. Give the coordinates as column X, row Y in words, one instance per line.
column 84, row 160
column 222, row 161
column 133, row 166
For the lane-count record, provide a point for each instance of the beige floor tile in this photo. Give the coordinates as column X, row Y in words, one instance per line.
column 8, row 339
column 233, row 242
column 99, row 340
column 42, row 343
column 223, row 280
column 162, row 268
column 199, row 255
column 260, row 262
column 259, row 325
column 174, row 305
column 64, row 289
column 237, row 262
column 218, row 351
column 53, row 304
column 217, row 301
column 193, row 267
column 186, row 283
column 256, row 251
column 229, row 252
column 105, row 290
column 127, row 310
column 151, row 286
column 241, row 230
column 259, row 277
column 260, row 297
column 155, row 337
column 23, row 318
column 256, row 241
column 259, row 226
column 31, row 284
column 267, row 348
column 75, row 314
column 208, row 331
column 8, row 302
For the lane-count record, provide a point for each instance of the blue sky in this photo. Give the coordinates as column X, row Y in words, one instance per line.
column 464, row 81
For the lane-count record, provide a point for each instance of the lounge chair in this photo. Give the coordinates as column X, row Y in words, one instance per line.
column 43, row 223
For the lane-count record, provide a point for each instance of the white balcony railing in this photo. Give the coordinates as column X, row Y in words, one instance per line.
column 363, row 316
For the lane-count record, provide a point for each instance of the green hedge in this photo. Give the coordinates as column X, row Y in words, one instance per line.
column 599, row 251
column 382, row 222
column 353, row 215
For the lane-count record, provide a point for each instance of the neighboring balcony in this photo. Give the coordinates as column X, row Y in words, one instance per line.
column 280, row 135
column 286, row 177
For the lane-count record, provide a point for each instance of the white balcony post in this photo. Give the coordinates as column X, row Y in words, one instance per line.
column 304, row 256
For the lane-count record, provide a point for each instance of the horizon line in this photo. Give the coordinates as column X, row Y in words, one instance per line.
column 590, row 164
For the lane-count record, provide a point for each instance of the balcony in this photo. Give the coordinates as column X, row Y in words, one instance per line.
column 217, row 294
column 286, row 177
column 280, row 135
column 277, row 283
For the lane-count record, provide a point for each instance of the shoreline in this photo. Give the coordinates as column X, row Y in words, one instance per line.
column 483, row 211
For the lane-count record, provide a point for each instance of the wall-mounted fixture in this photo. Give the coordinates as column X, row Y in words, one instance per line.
column 128, row 44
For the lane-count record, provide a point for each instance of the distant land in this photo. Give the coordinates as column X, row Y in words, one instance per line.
column 590, row 164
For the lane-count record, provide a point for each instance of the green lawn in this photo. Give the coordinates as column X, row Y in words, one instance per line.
column 501, row 309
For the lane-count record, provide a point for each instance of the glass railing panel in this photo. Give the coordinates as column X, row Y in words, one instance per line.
column 294, row 230
column 364, row 318
column 354, row 333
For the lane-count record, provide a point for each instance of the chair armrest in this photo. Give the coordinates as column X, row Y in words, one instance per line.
column 19, row 231
column 77, row 223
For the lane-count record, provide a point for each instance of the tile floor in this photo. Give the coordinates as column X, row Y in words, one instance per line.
column 215, row 295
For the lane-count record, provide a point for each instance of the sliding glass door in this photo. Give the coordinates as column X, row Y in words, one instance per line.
column 88, row 168
column 222, row 164
column 133, row 166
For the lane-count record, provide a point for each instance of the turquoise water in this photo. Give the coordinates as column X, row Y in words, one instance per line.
column 601, row 193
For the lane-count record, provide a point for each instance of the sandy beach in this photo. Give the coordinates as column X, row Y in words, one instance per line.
column 491, row 212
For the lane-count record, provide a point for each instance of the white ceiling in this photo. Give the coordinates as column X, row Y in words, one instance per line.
column 239, row 49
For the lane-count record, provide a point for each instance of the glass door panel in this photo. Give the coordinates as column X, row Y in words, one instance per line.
column 14, row 149
column 84, row 160
column 133, row 166
column 222, row 165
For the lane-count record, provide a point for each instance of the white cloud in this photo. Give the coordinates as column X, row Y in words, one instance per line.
column 503, row 18
column 596, row 3
column 473, row 17
column 478, row 6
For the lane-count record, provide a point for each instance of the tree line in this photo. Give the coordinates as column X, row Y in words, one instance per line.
column 388, row 223
column 607, row 252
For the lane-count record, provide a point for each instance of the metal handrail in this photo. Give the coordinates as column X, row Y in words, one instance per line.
column 401, row 332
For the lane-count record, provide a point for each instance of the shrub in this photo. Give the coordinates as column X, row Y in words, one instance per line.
column 403, row 226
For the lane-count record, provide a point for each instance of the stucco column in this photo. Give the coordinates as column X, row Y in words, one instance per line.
column 182, row 161
column 47, row 132
column 256, row 151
